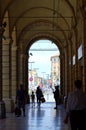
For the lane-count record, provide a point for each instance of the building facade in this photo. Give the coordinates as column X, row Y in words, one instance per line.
column 55, row 70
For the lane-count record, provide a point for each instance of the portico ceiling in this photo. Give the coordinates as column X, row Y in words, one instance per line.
column 53, row 19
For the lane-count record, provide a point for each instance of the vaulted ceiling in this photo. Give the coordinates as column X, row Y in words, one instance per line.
column 38, row 19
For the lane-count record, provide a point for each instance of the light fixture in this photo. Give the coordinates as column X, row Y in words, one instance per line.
column 31, row 54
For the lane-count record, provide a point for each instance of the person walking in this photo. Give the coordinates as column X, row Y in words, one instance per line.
column 33, row 98
column 56, row 96
column 39, row 95
column 76, row 108
column 21, row 98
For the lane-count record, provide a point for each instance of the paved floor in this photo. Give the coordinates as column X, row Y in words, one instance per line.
column 37, row 118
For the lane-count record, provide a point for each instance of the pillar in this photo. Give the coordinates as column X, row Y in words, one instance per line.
column 26, row 70
column 2, row 104
column 83, row 11
column 6, row 75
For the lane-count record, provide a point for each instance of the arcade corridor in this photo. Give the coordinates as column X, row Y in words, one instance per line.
column 43, row 118
column 22, row 23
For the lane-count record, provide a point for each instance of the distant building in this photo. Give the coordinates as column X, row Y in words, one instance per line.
column 55, row 69
column 34, row 80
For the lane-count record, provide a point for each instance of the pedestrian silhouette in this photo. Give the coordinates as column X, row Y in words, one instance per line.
column 33, row 98
column 21, row 98
column 39, row 95
column 76, row 108
column 56, row 96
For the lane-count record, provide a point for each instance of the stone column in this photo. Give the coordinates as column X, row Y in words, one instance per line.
column 6, row 74
column 2, row 104
column 62, row 74
column 26, row 70
column 83, row 10
column 84, row 56
column 66, row 71
column 14, row 71
column 70, row 67
column 21, row 69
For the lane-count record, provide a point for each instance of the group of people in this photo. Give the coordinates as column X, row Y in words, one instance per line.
column 75, row 108
column 21, row 99
column 39, row 96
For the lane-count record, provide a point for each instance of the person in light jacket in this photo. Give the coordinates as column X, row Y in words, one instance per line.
column 76, row 108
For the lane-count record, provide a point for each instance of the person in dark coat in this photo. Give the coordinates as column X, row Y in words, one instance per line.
column 56, row 96
column 21, row 98
column 39, row 94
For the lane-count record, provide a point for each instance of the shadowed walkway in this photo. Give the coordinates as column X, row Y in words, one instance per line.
column 43, row 118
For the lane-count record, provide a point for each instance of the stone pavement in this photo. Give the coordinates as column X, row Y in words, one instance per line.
column 44, row 117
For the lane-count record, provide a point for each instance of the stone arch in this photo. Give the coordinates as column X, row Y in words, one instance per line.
column 26, row 56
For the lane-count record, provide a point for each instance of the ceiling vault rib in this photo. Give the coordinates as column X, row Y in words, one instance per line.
column 35, row 20
column 43, row 30
column 41, row 17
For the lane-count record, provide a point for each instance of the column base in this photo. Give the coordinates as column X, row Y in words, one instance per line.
column 9, row 105
column 2, row 110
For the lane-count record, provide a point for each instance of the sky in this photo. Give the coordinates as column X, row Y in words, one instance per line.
column 40, row 60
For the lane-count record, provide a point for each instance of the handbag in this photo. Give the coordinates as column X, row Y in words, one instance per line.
column 17, row 111
column 43, row 99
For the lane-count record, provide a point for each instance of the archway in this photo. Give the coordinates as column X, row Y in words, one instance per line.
column 44, row 67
